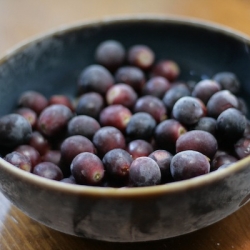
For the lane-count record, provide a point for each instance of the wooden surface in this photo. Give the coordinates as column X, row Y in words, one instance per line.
column 20, row 20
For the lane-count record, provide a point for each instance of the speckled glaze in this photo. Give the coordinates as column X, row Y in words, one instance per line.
column 51, row 64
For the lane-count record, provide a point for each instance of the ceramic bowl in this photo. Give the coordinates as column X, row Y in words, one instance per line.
column 52, row 62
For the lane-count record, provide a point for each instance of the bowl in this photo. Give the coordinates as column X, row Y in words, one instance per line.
column 51, row 64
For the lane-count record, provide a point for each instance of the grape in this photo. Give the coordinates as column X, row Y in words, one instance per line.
column 188, row 164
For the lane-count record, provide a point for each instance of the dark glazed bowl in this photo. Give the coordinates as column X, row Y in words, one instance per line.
column 52, row 63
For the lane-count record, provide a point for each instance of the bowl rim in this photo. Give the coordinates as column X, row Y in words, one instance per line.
column 178, row 186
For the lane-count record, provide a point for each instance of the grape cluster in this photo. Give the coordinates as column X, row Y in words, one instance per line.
column 133, row 123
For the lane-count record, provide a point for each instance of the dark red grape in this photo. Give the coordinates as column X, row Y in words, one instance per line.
column 228, row 81
column 29, row 152
column 221, row 101
column 70, row 148
column 28, row 114
column 83, row 125
column 197, row 140
column 168, row 69
column 141, row 56
column 144, row 171
column 61, row 99
column 14, row 130
column 53, row 119
column 33, row 100
column 19, row 160
column 221, row 159
column 53, row 156
column 108, row 138
column 123, row 94
column 138, row 148
column 188, row 110
column 206, row 124
column 163, row 159
column 188, row 164
column 140, row 126
column 110, row 54
column 48, row 170
column 156, row 86
column 174, row 94
column 242, row 147
column 39, row 142
column 117, row 163
column 116, row 116
column 205, row 89
column 167, row 132
column 69, row 180
column 132, row 76
column 87, row 169
column 152, row 105
column 95, row 78
column 231, row 125
column 242, row 106
column 90, row 104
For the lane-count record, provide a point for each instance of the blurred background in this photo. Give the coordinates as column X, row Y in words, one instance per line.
column 23, row 19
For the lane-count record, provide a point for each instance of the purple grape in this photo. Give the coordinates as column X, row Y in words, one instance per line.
column 207, row 124
column 156, row 86
column 174, row 94
column 48, row 170
column 168, row 69
column 110, row 54
column 90, row 104
column 188, row 164
column 141, row 56
column 117, row 163
column 83, row 125
column 54, row 119
column 197, row 140
column 87, row 169
column 123, row 94
column 116, row 116
column 221, row 101
column 70, row 148
column 242, row 147
column 19, row 160
column 14, row 130
column 29, row 152
column 69, row 180
column 228, row 81
column 221, row 159
column 33, row 100
column 140, row 126
column 187, row 110
column 167, row 132
column 163, row 159
column 205, row 89
column 144, row 171
column 28, row 114
column 108, row 138
column 139, row 148
column 133, row 76
column 231, row 125
column 95, row 78
column 152, row 105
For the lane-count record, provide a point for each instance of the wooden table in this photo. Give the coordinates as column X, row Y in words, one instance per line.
column 20, row 20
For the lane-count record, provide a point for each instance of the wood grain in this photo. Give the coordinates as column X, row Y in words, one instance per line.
column 20, row 20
